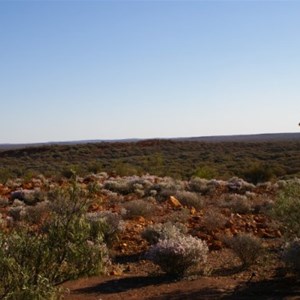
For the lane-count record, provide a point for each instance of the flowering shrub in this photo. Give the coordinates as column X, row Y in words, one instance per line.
column 176, row 255
column 153, row 233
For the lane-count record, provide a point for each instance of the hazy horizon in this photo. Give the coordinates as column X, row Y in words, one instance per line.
column 108, row 70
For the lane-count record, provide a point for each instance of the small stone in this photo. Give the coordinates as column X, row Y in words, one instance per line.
column 174, row 202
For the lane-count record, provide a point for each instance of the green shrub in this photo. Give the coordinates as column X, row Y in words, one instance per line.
column 258, row 173
column 32, row 263
column 287, row 208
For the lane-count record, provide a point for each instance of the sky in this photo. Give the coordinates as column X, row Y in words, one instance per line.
column 82, row 70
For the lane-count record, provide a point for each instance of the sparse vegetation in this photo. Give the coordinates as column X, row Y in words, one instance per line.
column 174, row 219
column 33, row 262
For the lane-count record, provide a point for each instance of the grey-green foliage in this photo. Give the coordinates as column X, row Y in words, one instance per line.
column 32, row 263
column 246, row 246
column 287, row 208
column 178, row 254
column 153, row 233
column 138, row 208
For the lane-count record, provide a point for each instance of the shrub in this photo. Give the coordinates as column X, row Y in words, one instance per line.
column 176, row 255
column 179, row 216
column 291, row 255
column 110, row 224
column 213, row 220
column 246, row 246
column 35, row 214
column 3, row 202
column 238, row 203
column 206, row 172
column 138, row 208
column 287, row 207
column 33, row 262
column 259, row 173
column 153, row 233
column 199, row 185
column 190, row 199
column 121, row 186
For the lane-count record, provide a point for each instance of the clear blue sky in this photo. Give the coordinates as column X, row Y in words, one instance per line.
column 73, row 70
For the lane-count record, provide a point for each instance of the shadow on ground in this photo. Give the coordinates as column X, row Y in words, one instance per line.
column 124, row 284
column 276, row 289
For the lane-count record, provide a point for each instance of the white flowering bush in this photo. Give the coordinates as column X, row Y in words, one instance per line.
column 153, row 233
column 176, row 255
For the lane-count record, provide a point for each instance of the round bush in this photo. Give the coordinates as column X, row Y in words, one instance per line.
column 176, row 255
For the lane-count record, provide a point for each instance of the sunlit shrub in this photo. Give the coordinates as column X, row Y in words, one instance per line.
column 176, row 255
column 287, row 207
column 109, row 223
column 33, row 262
column 153, row 233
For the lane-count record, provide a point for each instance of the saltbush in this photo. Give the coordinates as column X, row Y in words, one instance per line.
column 177, row 254
column 246, row 246
column 107, row 222
column 138, row 208
column 190, row 199
column 153, row 233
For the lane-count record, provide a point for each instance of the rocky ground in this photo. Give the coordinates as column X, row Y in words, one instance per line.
column 209, row 209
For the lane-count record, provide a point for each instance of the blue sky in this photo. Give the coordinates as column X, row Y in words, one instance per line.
column 73, row 70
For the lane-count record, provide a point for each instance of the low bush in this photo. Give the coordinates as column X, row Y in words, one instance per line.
column 177, row 255
column 153, row 233
column 190, row 199
column 138, row 208
column 109, row 223
column 246, row 246
column 214, row 220
column 237, row 203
